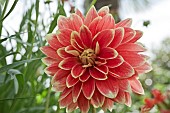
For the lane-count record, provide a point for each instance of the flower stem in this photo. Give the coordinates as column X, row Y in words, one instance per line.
column 93, row 110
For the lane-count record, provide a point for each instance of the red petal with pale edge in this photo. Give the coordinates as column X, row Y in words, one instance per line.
column 62, row 53
column 53, row 41
column 97, row 74
column 123, row 71
column 76, row 21
column 108, row 53
column 76, row 41
column 131, row 47
column 145, row 68
column 108, row 104
column 52, row 69
column 98, row 99
column 104, row 69
column 85, row 76
column 60, row 74
column 124, row 85
column 133, row 58
column 100, row 61
column 93, row 24
column 118, row 37
column 76, row 91
column 50, row 52
column 128, row 99
column 66, row 101
column 136, row 85
column 109, row 88
column 124, row 23
column 70, row 81
column 63, row 36
column 79, row 14
column 128, row 34
column 112, row 63
column 71, row 50
column 104, row 38
column 77, row 70
column 68, row 63
column 83, row 104
column 90, row 16
column 107, row 22
column 137, row 36
column 86, row 36
column 88, row 88
column 65, row 93
column 64, row 23
column 59, row 88
column 71, row 107
column 120, row 98
column 103, row 11
column 48, row 61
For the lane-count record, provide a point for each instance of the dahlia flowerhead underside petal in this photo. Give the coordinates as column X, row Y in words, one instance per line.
column 94, row 61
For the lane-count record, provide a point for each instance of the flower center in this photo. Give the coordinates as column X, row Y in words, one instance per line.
column 88, row 57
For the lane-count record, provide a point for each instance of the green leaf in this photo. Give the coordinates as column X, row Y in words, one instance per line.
column 15, row 64
column 16, row 85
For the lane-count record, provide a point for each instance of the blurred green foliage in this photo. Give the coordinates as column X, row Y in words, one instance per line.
column 24, row 88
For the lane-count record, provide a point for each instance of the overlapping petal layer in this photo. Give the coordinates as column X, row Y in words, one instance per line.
column 94, row 61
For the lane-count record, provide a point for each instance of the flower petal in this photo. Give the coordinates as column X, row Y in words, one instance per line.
column 88, row 88
column 123, row 71
column 104, row 69
column 124, row 85
column 63, row 36
column 145, row 68
column 109, row 87
column 124, row 23
column 48, row 61
column 118, row 37
column 70, row 81
column 83, row 103
column 90, row 16
column 137, row 36
column 53, row 41
column 133, row 58
column 104, row 38
column 79, row 14
column 108, row 104
column 65, row 93
column 128, row 99
column 76, row 41
column 76, row 91
column 103, row 11
column 120, row 98
column 136, row 85
column 86, row 36
column 66, row 101
column 131, row 47
column 70, row 49
column 93, row 24
column 77, row 70
column 107, row 22
column 98, row 99
column 128, row 34
column 68, row 63
column 85, row 76
column 50, row 52
column 52, row 69
column 99, row 61
column 64, row 23
column 97, row 74
column 112, row 63
column 108, row 53
column 63, row 54
column 76, row 21
column 71, row 107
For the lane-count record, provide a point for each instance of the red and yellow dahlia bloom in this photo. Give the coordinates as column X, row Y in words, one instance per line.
column 94, row 61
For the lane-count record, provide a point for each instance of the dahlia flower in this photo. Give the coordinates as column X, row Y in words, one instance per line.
column 94, row 61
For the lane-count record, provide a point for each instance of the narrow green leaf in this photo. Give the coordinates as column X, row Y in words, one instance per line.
column 15, row 64
column 12, row 8
column 16, row 85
